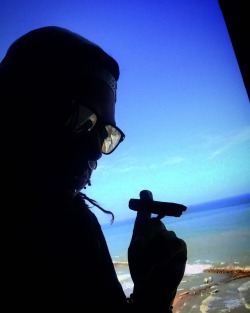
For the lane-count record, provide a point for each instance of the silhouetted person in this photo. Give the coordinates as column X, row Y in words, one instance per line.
column 58, row 95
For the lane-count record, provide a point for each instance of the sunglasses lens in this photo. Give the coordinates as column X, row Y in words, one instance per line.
column 114, row 137
column 86, row 119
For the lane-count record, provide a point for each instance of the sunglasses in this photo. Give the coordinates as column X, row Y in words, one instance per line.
column 85, row 119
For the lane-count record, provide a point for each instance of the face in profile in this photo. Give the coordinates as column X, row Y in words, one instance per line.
column 94, row 133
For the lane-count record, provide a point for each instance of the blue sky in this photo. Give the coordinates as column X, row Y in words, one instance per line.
column 181, row 99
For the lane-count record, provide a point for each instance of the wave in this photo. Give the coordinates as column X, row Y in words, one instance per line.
column 190, row 268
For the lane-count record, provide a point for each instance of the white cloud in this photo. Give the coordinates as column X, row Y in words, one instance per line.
column 174, row 160
column 229, row 140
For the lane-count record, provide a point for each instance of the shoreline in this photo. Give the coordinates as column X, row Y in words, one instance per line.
column 212, row 290
column 198, row 297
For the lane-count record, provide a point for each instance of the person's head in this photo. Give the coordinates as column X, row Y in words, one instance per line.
column 58, row 96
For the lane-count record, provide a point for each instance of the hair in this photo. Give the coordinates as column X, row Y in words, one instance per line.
column 51, row 62
column 41, row 73
column 56, row 48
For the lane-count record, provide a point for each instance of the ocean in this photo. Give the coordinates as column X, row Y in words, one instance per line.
column 217, row 234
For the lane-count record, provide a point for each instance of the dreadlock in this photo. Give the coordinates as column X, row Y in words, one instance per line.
column 93, row 202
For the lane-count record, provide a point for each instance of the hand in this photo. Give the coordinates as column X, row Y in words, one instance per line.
column 157, row 260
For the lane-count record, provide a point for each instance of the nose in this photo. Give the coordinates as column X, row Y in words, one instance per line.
column 92, row 165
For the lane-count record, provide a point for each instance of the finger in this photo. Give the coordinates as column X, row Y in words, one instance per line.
column 140, row 223
column 160, row 216
column 143, row 215
column 145, row 195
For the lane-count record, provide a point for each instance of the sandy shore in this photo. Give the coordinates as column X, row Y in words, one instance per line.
column 229, row 293
column 215, row 290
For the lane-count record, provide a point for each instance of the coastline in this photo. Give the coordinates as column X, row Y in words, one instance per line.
column 225, row 294
column 214, row 290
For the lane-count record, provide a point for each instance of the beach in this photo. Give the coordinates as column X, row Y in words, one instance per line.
column 227, row 290
column 214, row 290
